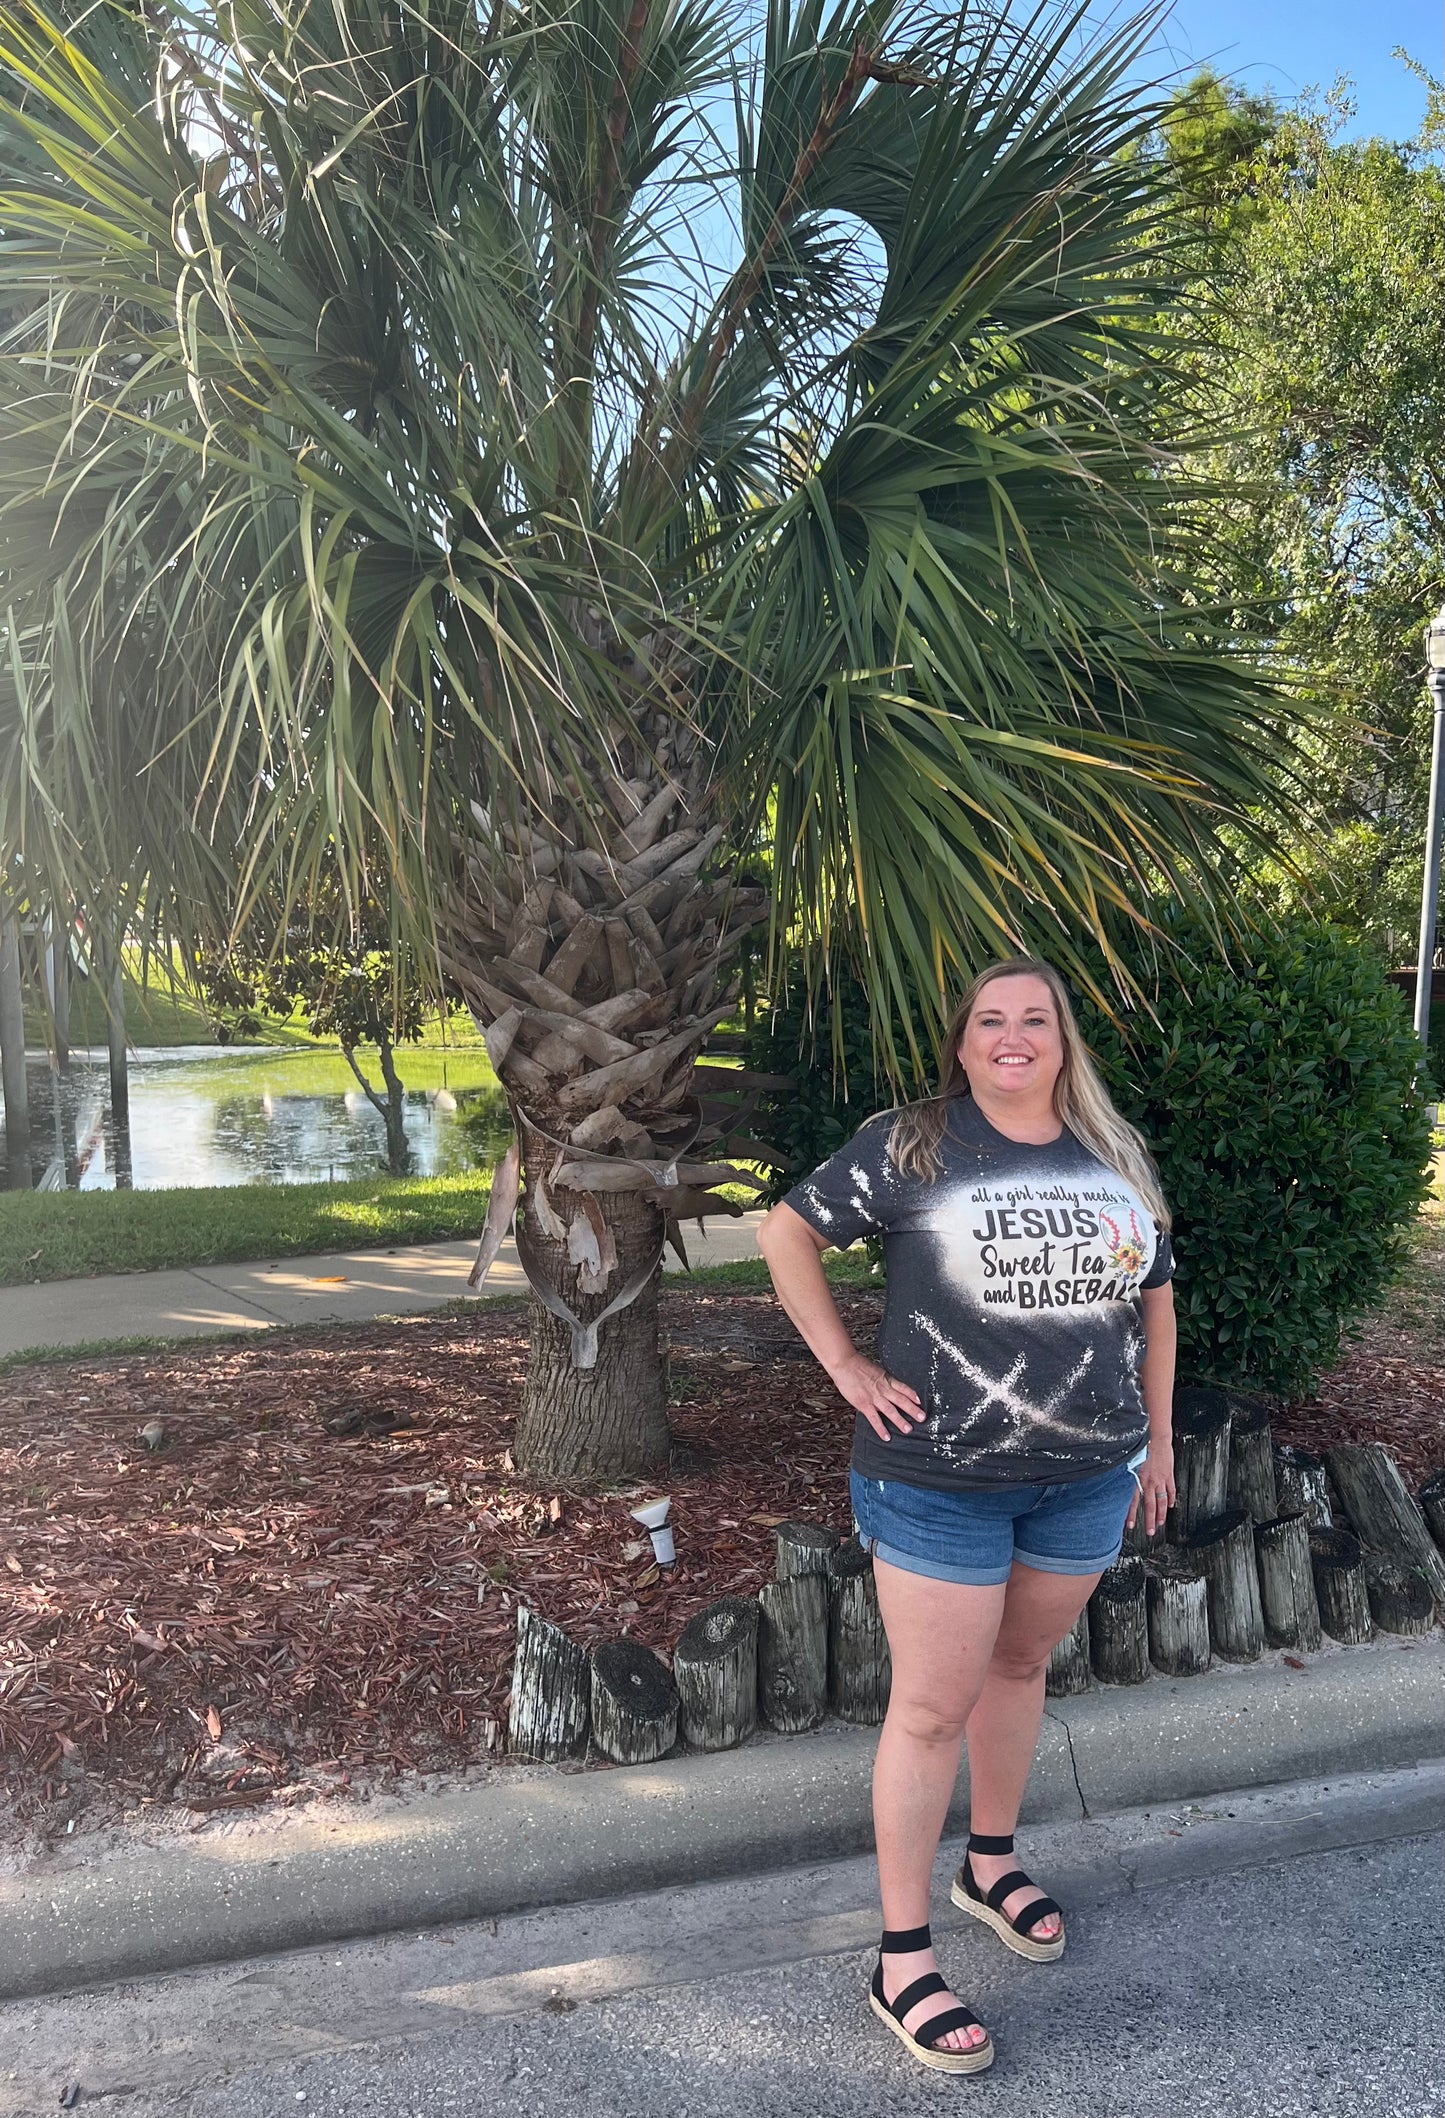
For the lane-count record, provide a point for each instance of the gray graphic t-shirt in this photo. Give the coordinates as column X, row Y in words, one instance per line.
column 1013, row 1302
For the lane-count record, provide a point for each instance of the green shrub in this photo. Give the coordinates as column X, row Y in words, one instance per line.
column 1281, row 1098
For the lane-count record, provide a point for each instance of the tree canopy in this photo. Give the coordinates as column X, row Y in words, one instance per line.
column 1326, row 260
column 366, row 417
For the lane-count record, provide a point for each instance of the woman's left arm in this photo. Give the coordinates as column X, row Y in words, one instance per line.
column 1156, row 1380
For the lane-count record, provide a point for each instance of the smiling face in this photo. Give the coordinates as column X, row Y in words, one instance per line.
column 1011, row 1044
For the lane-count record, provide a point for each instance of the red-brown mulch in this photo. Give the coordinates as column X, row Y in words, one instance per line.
column 1375, row 1397
column 266, row 1595
column 265, row 1598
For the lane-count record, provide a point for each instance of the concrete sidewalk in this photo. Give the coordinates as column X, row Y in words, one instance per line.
column 562, row 1837
column 346, row 1286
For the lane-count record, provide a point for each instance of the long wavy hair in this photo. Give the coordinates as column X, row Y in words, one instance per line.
column 1081, row 1100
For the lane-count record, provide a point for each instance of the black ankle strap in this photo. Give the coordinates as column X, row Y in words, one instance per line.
column 905, row 1941
column 980, row 1843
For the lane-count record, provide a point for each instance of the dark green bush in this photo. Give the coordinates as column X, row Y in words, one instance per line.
column 1281, row 1098
column 1282, row 1101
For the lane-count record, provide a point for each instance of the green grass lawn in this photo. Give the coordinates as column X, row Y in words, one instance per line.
column 56, row 1235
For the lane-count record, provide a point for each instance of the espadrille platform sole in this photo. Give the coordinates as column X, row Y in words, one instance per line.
column 976, row 2061
column 983, row 1906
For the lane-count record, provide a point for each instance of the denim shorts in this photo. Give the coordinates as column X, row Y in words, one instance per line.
column 975, row 1538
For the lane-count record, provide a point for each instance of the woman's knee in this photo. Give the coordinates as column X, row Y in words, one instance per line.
column 935, row 1724
column 1019, row 1661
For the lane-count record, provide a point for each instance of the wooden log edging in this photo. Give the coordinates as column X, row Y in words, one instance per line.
column 715, row 1669
column 793, row 1652
column 1177, row 1605
column 1287, row 1582
column 1400, row 1598
column 634, row 1703
column 813, row 1640
column 551, row 1692
column 1070, row 1670
column 1382, row 1512
column 804, row 1548
column 1251, row 1479
column 860, row 1669
column 1118, row 1625
column 1431, row 1498
column 1201, row 1460
column 1340, row 1586
column 1300, row 1488
column 1223, row 1549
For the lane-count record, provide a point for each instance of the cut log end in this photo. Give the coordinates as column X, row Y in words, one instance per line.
column 634, row 1703
column 715, row 1668
column 1400, row 1597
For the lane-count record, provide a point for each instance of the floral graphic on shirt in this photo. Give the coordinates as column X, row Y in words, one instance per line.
column 1128, row 1252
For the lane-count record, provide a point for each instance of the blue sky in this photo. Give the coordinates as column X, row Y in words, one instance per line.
column 1288, row 45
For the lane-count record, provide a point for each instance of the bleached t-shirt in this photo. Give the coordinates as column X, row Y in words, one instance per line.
column 1013, row 1302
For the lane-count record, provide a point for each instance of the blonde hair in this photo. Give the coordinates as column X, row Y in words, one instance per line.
column 1081, row 1100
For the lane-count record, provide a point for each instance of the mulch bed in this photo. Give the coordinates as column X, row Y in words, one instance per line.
column 267, row 1598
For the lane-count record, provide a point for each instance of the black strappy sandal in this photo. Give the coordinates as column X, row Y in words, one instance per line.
column 924, row 2047
column 1015, row 1934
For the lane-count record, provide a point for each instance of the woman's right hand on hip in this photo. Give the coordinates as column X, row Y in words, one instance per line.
column 883, row 1401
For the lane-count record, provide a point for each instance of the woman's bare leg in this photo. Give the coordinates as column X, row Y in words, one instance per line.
column 1003, row 1727
column 940, row 1638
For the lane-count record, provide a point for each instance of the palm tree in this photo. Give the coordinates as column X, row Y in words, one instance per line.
column 598, row 475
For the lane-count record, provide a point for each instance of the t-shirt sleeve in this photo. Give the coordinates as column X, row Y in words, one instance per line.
column 1162, row 1269
column 854, row 1192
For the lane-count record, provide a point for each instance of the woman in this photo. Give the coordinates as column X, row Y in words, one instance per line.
column 1020, row 1418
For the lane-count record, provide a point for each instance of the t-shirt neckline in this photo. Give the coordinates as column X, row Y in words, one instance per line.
column 992, row 1133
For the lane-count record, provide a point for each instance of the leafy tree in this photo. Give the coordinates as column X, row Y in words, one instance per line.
column 354, row 985
column 1325, row 258
column 436, row 454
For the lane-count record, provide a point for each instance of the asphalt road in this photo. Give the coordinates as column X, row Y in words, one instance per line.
column 1277, row 1952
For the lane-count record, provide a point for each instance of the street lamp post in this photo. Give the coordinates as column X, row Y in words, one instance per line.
column 1430, row 895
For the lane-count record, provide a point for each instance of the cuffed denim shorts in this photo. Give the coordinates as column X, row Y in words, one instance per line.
column 975, row 1538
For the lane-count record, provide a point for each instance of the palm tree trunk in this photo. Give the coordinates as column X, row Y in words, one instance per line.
column 588, row 1425
column 596, row 963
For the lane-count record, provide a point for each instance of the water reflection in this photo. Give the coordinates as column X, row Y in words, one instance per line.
column 201, row 1115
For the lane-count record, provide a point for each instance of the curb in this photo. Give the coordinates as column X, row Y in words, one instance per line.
column 777, row 1801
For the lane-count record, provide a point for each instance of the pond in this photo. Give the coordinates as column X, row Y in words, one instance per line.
column 204, row 1114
